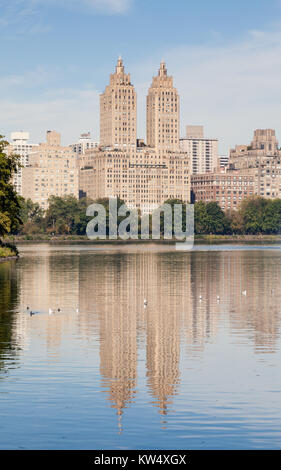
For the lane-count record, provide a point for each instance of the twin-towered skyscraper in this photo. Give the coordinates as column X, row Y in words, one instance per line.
column 118, row 112
column 163, row 113
column 144, row 176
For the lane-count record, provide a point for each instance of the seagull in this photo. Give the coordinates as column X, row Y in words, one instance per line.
column 244, row 292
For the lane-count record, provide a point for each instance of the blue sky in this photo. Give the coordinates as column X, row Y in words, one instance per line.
column 57, row 56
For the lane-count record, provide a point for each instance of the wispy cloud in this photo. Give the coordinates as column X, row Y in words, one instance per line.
column 103, row 6
column 15, row 10
column 20, row 17
column 40, row 76
column 69, row 111
column 229, row 88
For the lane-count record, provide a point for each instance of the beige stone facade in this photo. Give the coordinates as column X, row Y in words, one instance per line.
column 139, row 179
column 143, row 176
column 253, row 170
column 265, row 139
column 20, row 146
column 264, row 143
column 118, row 112
column 52, row 171
column 163, row 113
column 53, row 138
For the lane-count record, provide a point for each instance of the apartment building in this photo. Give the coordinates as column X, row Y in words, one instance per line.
column 21, row 146
column 202, row 152
column 84, row 143
column 53, row 170
column 144, row 176
column 228, row 188
column 253, row 170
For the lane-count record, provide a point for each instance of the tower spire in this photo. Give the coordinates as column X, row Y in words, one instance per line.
column 162, row 128
column 120, row 66
column 162, row 70
column 118, row 111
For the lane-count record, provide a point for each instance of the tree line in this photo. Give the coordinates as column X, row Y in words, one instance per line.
column 67, row 215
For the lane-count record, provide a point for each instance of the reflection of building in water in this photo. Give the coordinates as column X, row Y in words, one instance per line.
column 116, row 287
column 228, row 275
column 256, row 315
column 49, row 281
column 111, row 296
column 168, row 283
column 110, row 288
column 201, row 319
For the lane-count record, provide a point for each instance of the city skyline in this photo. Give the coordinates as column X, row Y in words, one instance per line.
column 220, row 67
column 146, row 174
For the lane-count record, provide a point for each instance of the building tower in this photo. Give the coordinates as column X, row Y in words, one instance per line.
column 202, row 152
column 265, row 140
column 53, row 138
column 118, row 112
column 162, row 113
column 20, row 146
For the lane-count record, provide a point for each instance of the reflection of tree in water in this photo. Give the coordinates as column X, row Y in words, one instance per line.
column 8, row 299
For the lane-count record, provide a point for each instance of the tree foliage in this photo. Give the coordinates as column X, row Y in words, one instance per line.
column 32, row 216
column 257, row 215
column 66, row 215
column 209, row 218
column 9, row 199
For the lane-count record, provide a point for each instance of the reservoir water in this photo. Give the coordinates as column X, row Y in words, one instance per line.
column 198, row 367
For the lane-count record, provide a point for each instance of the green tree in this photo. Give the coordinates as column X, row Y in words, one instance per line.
column 218, row 223
column 67, row 215
column 252, row 212
column 200, row 218
column 9, row 199
column 210, row 219
column 272, row 217
column 63, row 215
column 32, row 216
column 179, row 222
column 236, row 222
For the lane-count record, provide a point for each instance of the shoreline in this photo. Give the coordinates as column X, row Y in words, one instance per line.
column 8, row 258
column 210, row 239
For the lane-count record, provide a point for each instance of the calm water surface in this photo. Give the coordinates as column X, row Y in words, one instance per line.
column 182, row 373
